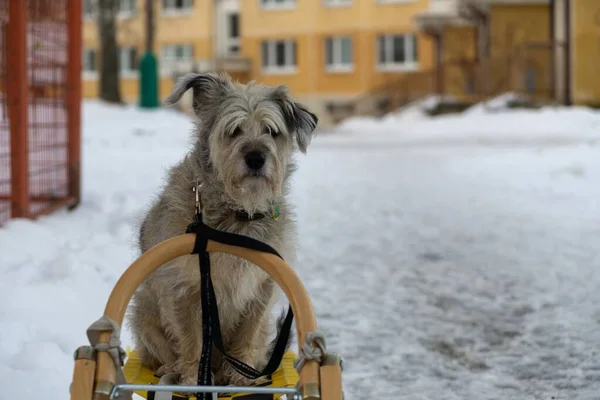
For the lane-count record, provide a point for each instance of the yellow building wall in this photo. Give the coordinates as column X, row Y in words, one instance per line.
column 585, row 54
column 514, row 66
column 310, row 22
column 512, row 25
column 458, row 57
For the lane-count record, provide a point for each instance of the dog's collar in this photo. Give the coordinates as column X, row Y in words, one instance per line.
column 243, row 216
column 240, row 215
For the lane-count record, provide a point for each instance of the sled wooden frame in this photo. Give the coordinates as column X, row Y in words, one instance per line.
column 95, row 373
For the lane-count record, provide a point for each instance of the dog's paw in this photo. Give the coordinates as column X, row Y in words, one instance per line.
column 167, row 369
column 189, row 373
column 229, row 376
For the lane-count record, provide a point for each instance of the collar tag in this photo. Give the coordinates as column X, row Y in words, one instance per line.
column 276, row 213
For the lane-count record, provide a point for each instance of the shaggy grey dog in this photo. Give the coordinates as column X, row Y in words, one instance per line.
column 244, row 141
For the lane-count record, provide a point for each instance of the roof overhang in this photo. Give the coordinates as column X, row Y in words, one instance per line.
column 435, row 21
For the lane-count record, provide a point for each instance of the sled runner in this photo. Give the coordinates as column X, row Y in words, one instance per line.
column 101, row 373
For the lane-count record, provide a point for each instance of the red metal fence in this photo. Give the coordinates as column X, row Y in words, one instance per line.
column 40, row 99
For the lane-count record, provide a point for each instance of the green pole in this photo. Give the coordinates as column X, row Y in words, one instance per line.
column 148, row 64
column 148, row 81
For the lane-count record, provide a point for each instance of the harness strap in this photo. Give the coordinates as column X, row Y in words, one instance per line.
column 211, row 328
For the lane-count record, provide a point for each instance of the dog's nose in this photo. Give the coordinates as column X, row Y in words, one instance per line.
column 255, row 160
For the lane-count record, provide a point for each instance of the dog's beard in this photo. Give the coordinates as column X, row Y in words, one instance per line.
column 255, row 194
column 251, row 191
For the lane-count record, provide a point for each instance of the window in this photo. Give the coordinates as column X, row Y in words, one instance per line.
column 126, row 7
column 278, row 55
column 233, row 34
column 337, row 3
column 338, row 53
column 89, row 60
column 128, row 59
column 397, row 52
column 275, row 4
column 178, row 6
column 89, row 8
column 172, row 53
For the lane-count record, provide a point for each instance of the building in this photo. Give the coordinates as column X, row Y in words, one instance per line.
column 379, row 53
column 325, row 50
column 576, row 25
column 486, row 47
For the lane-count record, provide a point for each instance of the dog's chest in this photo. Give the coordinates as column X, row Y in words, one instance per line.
column 237, row 282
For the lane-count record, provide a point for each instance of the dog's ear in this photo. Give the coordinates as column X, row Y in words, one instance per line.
column 208, row 88
column 299, row 120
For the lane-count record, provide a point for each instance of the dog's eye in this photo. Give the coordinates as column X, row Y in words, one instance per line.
column 236, row 132
column 272, row 132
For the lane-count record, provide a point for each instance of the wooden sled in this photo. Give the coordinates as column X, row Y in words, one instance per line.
column 99, row 367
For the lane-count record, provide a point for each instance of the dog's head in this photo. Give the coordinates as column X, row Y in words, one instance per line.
column 247, row 134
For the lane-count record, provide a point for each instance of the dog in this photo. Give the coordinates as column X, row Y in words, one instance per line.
column 244, row 142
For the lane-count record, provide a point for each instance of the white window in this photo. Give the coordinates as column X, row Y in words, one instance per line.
column 338, row 53
column 277, row 4
column 126, row 8
column 177, row 6
column 89, row 8
column 337, row 3
column 233, row 34
column 278, row 56
column 174, row 53
column 397, row 52
column 128, row 60
column 89, row 60
column 396, row 1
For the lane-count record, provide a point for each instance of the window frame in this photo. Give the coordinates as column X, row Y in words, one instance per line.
column 337, row 3
column 290, row 54
column 273, row 5
column 93, row 9
column 337, row 65
column 126, row 14
column 89, row 73
column 410, row 63
column 233, row 41
column 169, row 61
column 129, row 71
column 395, row 1
column 168, row 9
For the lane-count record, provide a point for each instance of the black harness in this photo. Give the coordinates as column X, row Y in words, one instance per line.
column 211, row 328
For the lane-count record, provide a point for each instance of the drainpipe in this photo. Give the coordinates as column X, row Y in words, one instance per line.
column 215, row 52
column 552, row 35
column 438, row 37
column 568, row 36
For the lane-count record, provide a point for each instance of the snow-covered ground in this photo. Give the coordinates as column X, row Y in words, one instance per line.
column 454, row 258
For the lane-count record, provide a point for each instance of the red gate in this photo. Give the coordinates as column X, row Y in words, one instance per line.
column 40, row 99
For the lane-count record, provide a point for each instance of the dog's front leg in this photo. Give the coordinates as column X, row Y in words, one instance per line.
column 248, row 343
column 186, row 325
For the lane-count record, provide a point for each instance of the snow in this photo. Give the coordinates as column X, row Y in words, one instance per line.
column 498, row 103
column 447, row 258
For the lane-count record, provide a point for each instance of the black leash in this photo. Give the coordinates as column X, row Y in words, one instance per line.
column 211, row 327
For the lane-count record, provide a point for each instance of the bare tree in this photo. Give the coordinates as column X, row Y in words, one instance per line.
column 109, row 52
column 150, row 29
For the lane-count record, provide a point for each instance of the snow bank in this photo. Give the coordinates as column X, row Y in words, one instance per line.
column 501, row 102
column 552, row 125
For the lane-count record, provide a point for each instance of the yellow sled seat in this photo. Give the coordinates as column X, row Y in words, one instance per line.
column 285, row 376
